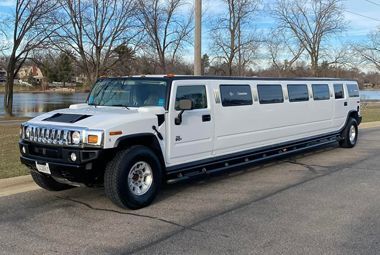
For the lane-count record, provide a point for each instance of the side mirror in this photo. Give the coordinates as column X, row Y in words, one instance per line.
column 184, row 105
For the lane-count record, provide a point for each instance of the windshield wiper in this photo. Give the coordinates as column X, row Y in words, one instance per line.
column 120, row 105
column 95, row 105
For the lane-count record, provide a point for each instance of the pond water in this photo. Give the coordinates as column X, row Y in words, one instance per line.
column 33, row 104
column 370, row 94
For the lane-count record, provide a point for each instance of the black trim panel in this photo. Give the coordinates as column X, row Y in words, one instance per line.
column 221, row 163
column 181, row 167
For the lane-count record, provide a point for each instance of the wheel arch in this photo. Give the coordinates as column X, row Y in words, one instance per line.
column 147, row 139
column 352, row 114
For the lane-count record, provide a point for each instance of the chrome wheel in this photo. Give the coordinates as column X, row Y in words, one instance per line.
column 352, row 134
column 140, row 178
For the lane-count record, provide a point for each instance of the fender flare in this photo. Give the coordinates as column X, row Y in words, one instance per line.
column 147, row 139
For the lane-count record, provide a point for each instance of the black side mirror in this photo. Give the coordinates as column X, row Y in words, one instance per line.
column 184, row 105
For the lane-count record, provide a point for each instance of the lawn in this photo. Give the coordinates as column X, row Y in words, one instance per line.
column 371, row 112
column 10, row 165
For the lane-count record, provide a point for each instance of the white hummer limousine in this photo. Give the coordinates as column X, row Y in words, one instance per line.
column 133, row 133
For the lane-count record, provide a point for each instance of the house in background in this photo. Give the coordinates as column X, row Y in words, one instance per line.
column 28, row 72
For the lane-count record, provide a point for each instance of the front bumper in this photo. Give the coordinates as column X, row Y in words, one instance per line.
column 87, row 169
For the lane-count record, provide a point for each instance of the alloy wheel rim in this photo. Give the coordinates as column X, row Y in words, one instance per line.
column 140, row 178
column 352, row 134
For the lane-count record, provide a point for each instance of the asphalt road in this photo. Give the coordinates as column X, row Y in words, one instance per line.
column 322, row 202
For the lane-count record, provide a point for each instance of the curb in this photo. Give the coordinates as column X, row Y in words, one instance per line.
column 14, row 185
column 370, row 124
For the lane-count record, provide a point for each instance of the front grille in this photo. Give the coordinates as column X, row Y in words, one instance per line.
column 50, row 136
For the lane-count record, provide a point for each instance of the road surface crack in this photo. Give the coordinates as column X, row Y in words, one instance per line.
column 311, row 168
column 129, row 213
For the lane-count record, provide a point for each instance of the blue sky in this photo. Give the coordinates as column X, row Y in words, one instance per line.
column 359, row 26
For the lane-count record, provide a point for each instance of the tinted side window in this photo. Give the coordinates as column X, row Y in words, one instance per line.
column 298, row 93
column 353, row 90
column 196, row 93
column 270, row 94
column 234, row 95
column 338, row 90
column 321, row 92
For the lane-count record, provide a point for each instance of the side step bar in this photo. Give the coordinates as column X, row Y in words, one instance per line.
column 247, row 159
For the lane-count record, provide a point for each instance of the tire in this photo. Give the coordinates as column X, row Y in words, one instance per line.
column 133, row 178
column 48, row 183
column 349, row 134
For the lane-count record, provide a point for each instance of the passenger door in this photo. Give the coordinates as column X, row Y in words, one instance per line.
column 193, row 138
column 341, row 106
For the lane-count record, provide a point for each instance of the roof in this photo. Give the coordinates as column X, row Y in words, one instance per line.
column 253, row 78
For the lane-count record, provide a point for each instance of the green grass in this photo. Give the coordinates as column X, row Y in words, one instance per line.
column 371, row 112
column 10, row 165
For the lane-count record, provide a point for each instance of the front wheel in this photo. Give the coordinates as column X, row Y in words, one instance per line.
column 349, row 134
column 132, row 179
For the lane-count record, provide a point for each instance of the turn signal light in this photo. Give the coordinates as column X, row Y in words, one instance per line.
column 92, row 139
column 116, row 132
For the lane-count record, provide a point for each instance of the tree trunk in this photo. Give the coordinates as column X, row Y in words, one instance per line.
column 314, row 64
column 230, row 71
column 314, row 68
column 8, row 96
column 163, row 63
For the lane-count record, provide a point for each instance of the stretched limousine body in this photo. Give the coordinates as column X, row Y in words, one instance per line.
column 134, row 132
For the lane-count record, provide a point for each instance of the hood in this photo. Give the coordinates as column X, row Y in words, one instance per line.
column 100, row 117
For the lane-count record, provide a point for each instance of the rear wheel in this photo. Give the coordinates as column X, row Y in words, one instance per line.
column 349, row 134
column 48, row 183
column 132, row 179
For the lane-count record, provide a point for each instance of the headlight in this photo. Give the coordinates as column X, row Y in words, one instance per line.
column 75, row 137
column 27, row 132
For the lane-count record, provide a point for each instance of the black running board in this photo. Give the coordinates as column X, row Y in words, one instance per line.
column 246, row 158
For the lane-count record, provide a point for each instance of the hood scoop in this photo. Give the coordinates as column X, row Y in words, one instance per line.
column 66, row 118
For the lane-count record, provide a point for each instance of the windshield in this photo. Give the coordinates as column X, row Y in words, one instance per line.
column 128, row 93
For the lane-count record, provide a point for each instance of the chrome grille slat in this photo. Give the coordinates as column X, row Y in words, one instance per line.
column 39, row 134
column 43, row 135
column 51, row 135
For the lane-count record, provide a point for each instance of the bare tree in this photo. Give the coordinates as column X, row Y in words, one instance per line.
column 370, row 50
column 311, row 22
column 167, row 28
column 283, row 51
column 233, row 38
column 92, row 30
column 27, row 30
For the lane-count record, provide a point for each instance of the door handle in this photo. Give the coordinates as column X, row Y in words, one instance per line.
column 345, row 103
column 206, row 117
